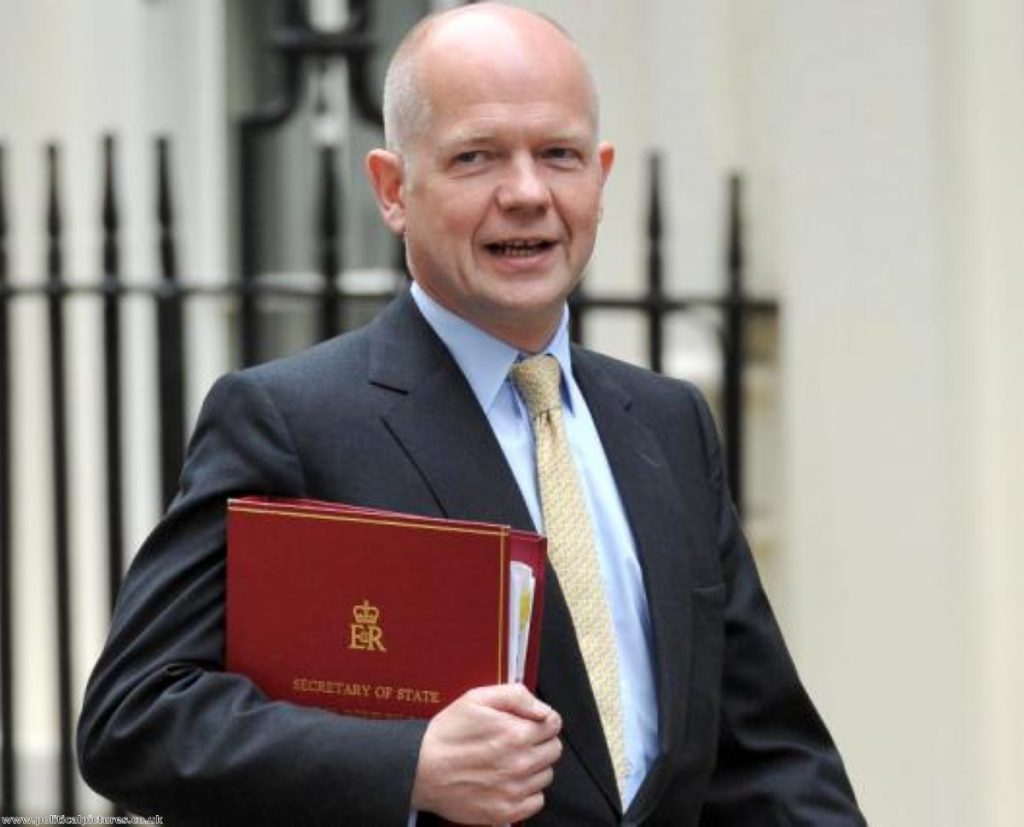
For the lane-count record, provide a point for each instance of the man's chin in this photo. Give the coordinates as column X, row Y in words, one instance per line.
column 527, row 325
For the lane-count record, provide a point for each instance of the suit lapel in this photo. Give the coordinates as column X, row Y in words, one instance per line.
column 438, row 422
column 655, row 510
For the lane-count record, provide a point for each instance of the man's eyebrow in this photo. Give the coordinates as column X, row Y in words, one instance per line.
column 460, row 139
column 483, row 136
column 569, row 136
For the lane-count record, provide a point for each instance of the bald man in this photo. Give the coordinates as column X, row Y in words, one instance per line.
column 492, row 174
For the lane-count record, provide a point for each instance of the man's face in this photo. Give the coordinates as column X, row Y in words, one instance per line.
column 501, row 194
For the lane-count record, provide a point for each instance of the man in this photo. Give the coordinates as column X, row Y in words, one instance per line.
column 493, row 175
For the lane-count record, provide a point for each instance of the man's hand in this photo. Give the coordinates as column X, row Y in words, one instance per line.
column 487, row 757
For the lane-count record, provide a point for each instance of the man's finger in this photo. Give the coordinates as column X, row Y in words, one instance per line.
column 515, row 699
column 538, row 781
column 529, row 806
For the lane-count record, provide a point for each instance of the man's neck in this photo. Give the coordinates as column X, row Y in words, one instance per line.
column 528, row 336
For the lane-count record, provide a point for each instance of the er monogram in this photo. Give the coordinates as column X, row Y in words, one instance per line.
column 366, row 634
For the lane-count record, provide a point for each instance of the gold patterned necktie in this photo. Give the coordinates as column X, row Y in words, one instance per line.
column 571, row 546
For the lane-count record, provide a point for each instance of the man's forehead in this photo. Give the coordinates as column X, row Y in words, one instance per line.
column 497, row 69
column 485, row 90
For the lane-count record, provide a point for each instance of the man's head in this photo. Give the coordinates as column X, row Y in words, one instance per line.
column 493, row 171
column 406, row 108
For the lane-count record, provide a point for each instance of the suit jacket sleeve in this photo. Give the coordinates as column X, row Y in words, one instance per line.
column 776, row 763
column 164, row 730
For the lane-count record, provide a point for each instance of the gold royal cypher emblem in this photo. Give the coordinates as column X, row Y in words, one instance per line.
column 366, row 633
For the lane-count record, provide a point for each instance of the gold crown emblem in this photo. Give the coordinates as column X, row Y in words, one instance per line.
column 366, row 614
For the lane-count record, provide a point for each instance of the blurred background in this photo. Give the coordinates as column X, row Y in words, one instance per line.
column 816, row 213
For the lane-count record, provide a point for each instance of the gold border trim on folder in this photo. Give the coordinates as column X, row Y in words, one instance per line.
column 498, row 531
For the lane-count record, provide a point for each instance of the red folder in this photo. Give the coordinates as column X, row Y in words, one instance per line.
column 369, row 612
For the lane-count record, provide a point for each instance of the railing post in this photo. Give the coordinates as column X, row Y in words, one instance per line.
column 112, row 372
column 58, row 408
column 171, row 370
column 655, row 276
column 577, row 309
column 735, row 344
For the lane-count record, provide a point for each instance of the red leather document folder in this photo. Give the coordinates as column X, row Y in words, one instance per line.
column 370, row 612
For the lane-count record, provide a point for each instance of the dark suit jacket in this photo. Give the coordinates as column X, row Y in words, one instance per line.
column 383, row 417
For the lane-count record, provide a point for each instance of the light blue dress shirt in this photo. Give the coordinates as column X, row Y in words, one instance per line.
column 485, row 361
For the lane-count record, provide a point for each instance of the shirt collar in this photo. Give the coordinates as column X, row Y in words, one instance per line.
column 483, row 359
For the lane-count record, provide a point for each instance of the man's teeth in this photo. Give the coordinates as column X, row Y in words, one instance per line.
column 519, row 248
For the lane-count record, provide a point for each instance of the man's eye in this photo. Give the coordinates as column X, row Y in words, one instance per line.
column 561, row 153
column 470, row 156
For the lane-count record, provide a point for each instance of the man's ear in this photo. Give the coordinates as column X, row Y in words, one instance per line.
column 605, row 158
column 386, row 172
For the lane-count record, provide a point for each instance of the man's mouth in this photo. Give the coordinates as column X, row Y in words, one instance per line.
column 520, row 247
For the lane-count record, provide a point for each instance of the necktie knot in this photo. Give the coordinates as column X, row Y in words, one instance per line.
column 539, row 382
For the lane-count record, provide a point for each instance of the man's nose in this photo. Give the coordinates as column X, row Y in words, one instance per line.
column 523, row 187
